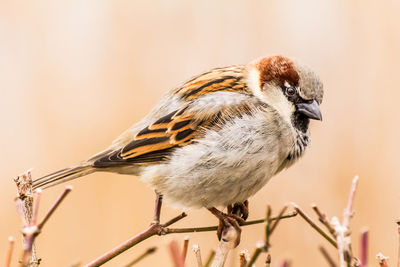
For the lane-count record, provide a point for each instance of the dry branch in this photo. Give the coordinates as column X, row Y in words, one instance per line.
column 210, row 258
column 382, row 260
column 364, row 249
column 323, row 219
column 176, row 255
column 11, row 242
column 196, row 250
column 27, row 203
column 244, row 257
column 327, row 257
column 226, row 243
column 185, row 247
column 148, row 252
column 314, row 225
column 398, row 248
column 259, row 248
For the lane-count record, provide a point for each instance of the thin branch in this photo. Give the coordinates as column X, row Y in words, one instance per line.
column 364, row 249
column 348, row 212
column 185, row 247
column 162, row 229
column 210, row 258
column 32, row 230
column 24, row 205
column 154, row 229
column 196, row 250
column 150, row 231
column 268, row 260
column 279, row 217
column 285, row 263
column 148, row 252
column 259, row 248
column 214, row 228
column 342, row 230
column 226, row 243
column 342, row 240
column 157, row 209
column 267, row 227
column 244, row 257
column 327, row 257
column 56, row 203
column 36, row 203
column 11, row 242
column 313, row 225
column 176, row 254
column 174, row 220
column 398, row 249
column 323, row 219
column 382, row 260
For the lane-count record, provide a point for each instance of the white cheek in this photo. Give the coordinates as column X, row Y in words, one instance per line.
column 275, row 97
column 272, row 95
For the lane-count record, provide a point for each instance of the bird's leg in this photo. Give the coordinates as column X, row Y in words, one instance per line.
column 157, row 209
column 241, row 209
column 227, row 220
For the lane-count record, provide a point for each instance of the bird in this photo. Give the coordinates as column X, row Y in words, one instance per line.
column 216, row 139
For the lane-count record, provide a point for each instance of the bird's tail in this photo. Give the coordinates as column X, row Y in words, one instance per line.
column 63, row 175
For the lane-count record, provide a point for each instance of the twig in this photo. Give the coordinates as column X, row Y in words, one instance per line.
column 185, row 247
column 328, row 258
column 364, row 249
column 342, row 230
column 214, row 228
column 268, row 227
column 210, row 258
column 33, row 229
column 157, row 209
column 259, row 248
column 323, row 219
column 11, row 242
column 226, row 243
column 76, row 264
column 285, row 263
column 279, row 217
column 24, row 205
column 342, row 241
column 382, row 260
column 176, row 254
column 398, row 249
column 348, row 212
column 56, row 203
column 268, row 260
column 196, row 250
column 313, row 225
column 153, row 229
column 244, row 258
column 160, row 229
column 148, row 252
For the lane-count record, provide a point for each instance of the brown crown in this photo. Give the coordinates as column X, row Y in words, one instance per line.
column 277, row 69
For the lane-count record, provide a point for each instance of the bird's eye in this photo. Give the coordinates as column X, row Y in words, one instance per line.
column 290, row 91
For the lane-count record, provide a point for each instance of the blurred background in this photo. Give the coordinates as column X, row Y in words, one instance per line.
column 75, row 74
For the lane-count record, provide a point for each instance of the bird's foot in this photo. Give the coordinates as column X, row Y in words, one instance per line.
column 241, row 209
column 227, row 220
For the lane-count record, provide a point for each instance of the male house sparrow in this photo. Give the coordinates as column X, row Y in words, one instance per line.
column 218, row 138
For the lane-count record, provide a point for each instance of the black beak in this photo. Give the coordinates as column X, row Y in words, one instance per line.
column 311, row 110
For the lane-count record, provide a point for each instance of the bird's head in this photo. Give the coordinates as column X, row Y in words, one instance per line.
column 293, row 89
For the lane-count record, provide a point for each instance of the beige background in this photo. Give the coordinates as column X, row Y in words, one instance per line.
column 74, row 74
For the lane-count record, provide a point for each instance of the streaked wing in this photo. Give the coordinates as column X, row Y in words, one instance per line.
column 156, row 141
column 206, row 101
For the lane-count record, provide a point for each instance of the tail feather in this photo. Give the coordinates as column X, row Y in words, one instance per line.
column 62, row 176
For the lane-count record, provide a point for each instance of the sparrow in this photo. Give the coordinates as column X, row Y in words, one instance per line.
column 218, row 138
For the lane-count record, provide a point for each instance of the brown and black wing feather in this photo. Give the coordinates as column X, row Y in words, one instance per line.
column 156, row 142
